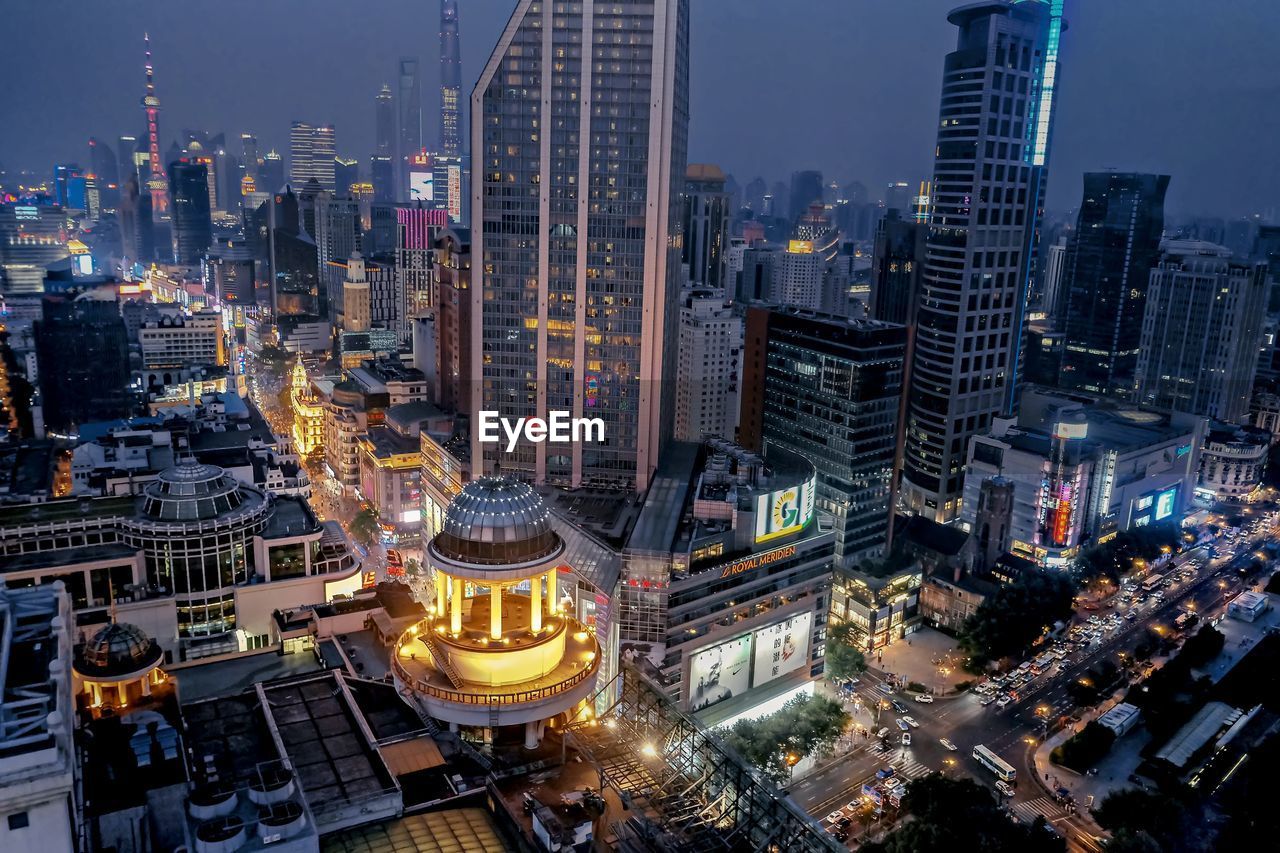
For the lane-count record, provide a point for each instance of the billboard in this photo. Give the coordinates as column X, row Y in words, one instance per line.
column 782, row 648
column 1166, row 502
column 719, row 672
column 422, row 186
column 454, row 198
column 784, row 511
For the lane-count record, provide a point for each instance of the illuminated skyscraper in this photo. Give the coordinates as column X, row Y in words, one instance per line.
column 192, row 222
column 384, row 123
column 988, row 189
column 450, row 80
column 156, row 184
column 311, row 155
column 580, row 307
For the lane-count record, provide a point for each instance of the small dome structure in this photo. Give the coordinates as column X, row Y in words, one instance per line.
column 118, row 649
column 494, row 521
column 192, row 491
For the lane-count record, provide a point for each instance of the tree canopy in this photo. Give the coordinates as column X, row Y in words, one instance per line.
column 802, row 726
column 1010, row 620
column 843, row 658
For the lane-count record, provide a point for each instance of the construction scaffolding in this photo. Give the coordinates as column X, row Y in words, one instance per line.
column 683, row 788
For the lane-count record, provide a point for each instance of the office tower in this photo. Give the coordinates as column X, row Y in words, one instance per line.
column 797, row 280
column 417, row 228
column 311, row 155
column 1055, row 265
column 290, row 254
column 828, row 388
column 355, row 297
column 452, row 318
column 806, row 188
column 896, row 263
column 897, row 196
column 338, row 237
column 62, row 175
column 384, row 123
column 1201, row 331
column 705, row 223
column 157, row 186
column 1104, row 284
column 249, row 159
column 382, row 173
column 102, row 163
column 410, row 105
column 228, row 273
column 583, row 315
column 271, row 173
column 192, row 217
column 753, row 194
column 126, row 164
column 709, row 365
column 83, row 353
column 988, row 188
column 346, row 174
column 127, row 219
column 31, row 238
column 450, row 80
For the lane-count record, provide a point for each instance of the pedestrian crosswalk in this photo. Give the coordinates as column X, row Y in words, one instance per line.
column 1040, row 807
column 908, row 768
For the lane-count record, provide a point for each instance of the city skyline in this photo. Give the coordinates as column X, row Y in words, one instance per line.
column 1188, row 119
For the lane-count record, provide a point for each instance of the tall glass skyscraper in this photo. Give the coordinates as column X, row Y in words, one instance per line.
column 580, row 125
column 311, row 153
column 988, row 190
column 1104, row 285
column 450, row 80
column 192, row 219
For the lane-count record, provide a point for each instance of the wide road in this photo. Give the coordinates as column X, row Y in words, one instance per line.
column 1013, row 731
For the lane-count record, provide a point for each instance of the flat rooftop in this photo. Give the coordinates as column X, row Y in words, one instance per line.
column 62, row 510
column 469, row 830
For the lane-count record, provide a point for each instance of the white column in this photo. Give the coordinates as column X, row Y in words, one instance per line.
column 455, row 607
column 535, row 604
column 531, row 737
column 495, row 612
column 553, row 600
column 442, row 594
column 124, row 696
column 146, row 684
column 95, row 690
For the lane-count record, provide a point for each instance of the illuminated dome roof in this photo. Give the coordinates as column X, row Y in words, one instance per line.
column 494, row 521
column 118, row 649
column 191, row 491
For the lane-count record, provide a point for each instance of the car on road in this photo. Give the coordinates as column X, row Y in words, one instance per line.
column 1003, row 701
column 906, row 738
column 947, row 744
column 1004, row 788
column 883, row 733
column 987, row 700
column 903, row 725
column 835, row 816
column 911, row 721
column 885, row 772
column 898, row 706
column 924, row 699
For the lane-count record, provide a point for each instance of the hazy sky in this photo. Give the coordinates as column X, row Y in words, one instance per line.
column 1187, row 87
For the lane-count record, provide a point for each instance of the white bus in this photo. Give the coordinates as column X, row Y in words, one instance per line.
column 1152, row 582
column 994, row 763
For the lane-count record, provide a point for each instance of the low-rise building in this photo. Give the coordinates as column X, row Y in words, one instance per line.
column 1121, row 719
column 1232, row 463
column 1248, row 606
column 391, row 465
column 183, row 341
column 1079, row 469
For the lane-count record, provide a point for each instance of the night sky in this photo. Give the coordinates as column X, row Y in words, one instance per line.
column 1187, row 87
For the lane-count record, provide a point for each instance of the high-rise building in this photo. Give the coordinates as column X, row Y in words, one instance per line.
column 705, row 226
column 988, row 188
column 452, row 318
column 82, row 350
column 709, row 367
column 192, row 215
column 1201, row 331
column 346, row 174
column 797, row 279
column 897, row 261
column 806, row 188
column 357, row 310
column 1055, row 265
column 417, row 229
column 450, row 80
column 828, row 388
column 102, row 164
column 338, row 237
column 382, row 173
column 126, row 152
column 157, row 186
column 409, row 98
column 384, row 123
column 583, row 315
column 271, row 173
column 1108, row 263
column 897, row 196
column 311, row 155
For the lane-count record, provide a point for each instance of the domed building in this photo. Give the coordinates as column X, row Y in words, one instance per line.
column 118, row 665
column 492, row 654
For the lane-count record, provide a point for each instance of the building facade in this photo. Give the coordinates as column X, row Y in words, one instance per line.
column 312, row 149
column 705, row 226
column 575, row 218
column 707, row 400
column 989, row 177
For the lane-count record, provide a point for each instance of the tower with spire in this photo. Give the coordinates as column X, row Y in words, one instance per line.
column 156, row 184
column 450, row 79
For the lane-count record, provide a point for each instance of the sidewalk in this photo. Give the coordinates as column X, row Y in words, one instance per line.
column 927, row 657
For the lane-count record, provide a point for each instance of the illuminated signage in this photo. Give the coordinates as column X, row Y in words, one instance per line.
column 422, row 186
column 800, row 247
column 454, row 189
column 784, row 511
column 1165, row 502
column 719, row 672
column 25, row 212
column 1144, row 502
column 781, row 648
column 755, row 561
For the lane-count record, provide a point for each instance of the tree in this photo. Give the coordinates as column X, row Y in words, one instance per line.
column 843, row 659
column 365, row 528
column 1086, row 748
column 1010, row 620
column 1171, row 820
column 804, row 725
column 412, row 567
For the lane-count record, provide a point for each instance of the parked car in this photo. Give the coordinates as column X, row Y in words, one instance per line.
column 924, row 699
